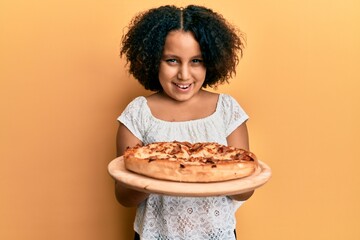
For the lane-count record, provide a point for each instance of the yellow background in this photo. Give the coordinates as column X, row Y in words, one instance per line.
column 62, row 85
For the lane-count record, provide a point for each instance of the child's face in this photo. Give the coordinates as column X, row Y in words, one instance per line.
column 182, row 71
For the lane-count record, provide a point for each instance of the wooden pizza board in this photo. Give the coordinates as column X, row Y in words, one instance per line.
column 142, row 183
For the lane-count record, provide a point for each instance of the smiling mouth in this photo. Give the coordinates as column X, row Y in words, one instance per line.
column 183, row 86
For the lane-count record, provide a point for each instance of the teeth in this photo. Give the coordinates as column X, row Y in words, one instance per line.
column 183, row 86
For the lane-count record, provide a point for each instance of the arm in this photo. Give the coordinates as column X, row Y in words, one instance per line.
column 239, row 138
column 126, row 196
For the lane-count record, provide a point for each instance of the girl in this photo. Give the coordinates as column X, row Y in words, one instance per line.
column 177, row 53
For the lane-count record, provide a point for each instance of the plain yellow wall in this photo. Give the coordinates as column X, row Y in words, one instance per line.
column 62, row 85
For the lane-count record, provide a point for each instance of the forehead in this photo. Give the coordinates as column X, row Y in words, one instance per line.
column 181, row 43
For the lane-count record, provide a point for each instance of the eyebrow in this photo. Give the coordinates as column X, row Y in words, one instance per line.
column 175, row 56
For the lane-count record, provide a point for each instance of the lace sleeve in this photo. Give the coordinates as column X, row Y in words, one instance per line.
column 233, row 114
column 132, row 116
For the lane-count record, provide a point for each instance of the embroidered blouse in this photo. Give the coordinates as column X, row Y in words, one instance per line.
column 171, row 217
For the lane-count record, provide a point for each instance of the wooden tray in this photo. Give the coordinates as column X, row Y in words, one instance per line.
column 142, row 183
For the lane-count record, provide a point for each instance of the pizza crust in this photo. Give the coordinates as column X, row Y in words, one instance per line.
column 185, row 162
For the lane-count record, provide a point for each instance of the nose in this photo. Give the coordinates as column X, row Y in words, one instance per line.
column 184, row 72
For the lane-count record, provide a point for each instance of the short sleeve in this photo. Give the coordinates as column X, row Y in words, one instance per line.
column 233, row 114
column 132, row 117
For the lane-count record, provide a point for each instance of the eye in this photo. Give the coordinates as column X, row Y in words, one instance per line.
column 171, row 61
column 197, row 61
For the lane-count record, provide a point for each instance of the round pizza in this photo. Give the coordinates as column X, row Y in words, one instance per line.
column 187, row 162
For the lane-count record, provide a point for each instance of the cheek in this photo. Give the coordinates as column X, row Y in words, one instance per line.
column 166, row 73
column 200, row 74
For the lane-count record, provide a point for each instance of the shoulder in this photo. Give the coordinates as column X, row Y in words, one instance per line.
column 227, row 97
column 226, row 100
column 135, row 107
column 230, row 107
column 136, row 102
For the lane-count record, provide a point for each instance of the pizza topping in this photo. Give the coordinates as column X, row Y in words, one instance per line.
column 197, row 153
column 184, row 161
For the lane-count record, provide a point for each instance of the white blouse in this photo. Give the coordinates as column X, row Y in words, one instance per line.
column 168, row 217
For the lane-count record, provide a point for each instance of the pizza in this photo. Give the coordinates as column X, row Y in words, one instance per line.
column 187, row 162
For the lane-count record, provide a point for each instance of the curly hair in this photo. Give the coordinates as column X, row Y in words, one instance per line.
column 219, row 41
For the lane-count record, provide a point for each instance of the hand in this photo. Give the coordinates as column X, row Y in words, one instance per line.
column 243, row 196
column 129, row 197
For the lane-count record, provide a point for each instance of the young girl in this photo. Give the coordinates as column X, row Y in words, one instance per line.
column 177, row 52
